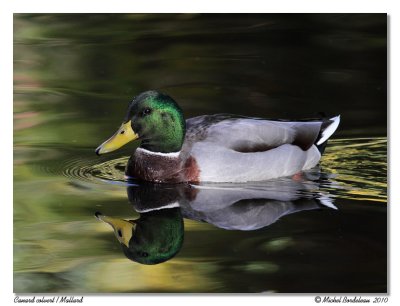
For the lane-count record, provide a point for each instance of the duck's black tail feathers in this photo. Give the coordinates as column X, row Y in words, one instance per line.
column 328, row 127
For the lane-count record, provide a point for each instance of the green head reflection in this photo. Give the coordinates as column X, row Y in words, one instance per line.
column 155, row 237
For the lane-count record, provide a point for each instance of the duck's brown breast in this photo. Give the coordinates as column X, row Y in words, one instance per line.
column 162, row 168
column 192, row 170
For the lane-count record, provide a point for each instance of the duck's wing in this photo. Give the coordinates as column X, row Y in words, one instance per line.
column 243, row 134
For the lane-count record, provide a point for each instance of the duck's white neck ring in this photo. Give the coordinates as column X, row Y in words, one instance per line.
column 170, row 155
column 171, row 205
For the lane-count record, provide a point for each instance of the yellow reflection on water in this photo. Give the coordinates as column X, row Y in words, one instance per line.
column 121, row 275
column 360, row 165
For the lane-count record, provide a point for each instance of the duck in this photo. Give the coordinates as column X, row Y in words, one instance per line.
column 214, row 148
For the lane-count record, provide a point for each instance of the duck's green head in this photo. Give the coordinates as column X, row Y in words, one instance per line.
column 154, row 238
column 155, row 119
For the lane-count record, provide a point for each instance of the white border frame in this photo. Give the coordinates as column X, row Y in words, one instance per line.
column 173, row 6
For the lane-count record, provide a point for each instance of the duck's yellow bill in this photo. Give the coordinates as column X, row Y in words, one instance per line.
column 123, row 229
column 124, row 135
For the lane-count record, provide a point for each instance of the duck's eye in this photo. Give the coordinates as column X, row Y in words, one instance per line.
column 144, row 254
column 119, row 233
column 146, row 111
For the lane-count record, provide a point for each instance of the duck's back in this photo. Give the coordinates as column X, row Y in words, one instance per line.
column 239, row 149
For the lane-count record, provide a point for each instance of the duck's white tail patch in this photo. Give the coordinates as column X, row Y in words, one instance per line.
column 329, row 130
column 327, row 201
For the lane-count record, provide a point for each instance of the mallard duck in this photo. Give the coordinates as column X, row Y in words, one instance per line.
column 214, row 148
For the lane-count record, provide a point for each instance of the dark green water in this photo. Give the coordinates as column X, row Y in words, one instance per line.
column 73, row 78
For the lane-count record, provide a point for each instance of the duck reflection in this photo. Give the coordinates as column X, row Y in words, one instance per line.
column 158, row 233
column 252, row 207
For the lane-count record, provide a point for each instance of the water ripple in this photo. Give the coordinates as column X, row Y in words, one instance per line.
column 350, row 168
column 82, row 164
column 360, row 165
